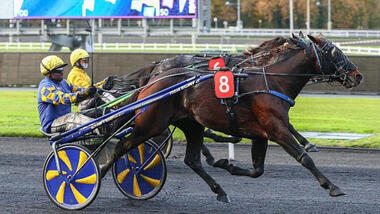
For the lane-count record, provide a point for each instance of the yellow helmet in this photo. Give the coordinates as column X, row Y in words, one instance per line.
column 51, row 63
column 77, row 55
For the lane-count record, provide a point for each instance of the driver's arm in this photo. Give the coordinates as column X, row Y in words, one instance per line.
column 57, row 97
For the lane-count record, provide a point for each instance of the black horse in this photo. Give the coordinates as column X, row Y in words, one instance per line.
column 260, row 116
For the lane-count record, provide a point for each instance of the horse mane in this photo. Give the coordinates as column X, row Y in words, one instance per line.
column 125, row 83
column 265, row 46
column 273, row 51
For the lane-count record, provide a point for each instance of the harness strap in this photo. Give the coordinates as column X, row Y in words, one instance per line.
column 271, row 92
column 299, row 158
column 317, row 56
column 283, row 96
column 265, row 79
column 232, row 123
column 230, row 102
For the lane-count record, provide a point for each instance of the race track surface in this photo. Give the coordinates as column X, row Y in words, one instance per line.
column 285, row 187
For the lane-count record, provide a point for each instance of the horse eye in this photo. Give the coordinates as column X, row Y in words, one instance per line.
column 334, row 52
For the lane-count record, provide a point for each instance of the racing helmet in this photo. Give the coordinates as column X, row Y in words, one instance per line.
column 78, row 54
column 51, row 63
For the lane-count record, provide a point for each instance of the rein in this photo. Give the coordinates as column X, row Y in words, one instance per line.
column 252, row 58
column 151, row 83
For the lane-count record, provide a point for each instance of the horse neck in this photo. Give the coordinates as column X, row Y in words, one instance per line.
column 291, row 85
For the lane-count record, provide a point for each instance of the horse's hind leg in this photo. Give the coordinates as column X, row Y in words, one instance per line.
column 194, row 136
column 122, row 147
column 209, row 158
column 258, row 152
column 302, row 140
column 285, row 139
column 117, row 152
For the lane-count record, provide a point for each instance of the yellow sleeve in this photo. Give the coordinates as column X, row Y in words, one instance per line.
column 56, row 97
column 79, row 79
column 100, row 84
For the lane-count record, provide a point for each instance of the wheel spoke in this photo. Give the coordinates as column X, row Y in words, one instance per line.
column 53, row 174
column 82, row 160
column 61, row 193
column 141, row 149
column 153, row 163
column 130, row 158
column 63, row 156
column 136, row 187
column 78, row 196
column 87, row 180
column 153, row 182
column 122, row 175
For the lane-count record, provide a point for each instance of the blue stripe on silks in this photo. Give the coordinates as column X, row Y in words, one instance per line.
column 283, row 96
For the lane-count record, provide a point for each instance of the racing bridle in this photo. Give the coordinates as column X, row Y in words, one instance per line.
column 328, row 57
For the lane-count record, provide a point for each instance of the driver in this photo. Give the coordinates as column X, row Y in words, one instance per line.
column 55, row 96
column 80, row 59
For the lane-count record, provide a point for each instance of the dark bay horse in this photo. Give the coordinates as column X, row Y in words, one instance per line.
column 267, row 53
column 260, row 116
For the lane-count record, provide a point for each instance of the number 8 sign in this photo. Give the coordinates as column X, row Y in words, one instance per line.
column 224, row 84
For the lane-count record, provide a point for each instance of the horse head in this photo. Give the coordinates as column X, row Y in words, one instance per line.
column 331, row 60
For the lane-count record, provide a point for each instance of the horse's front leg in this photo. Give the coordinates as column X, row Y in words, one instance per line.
column 302, row 140
column 194, row 136
column 258, row 152
column 285, row 139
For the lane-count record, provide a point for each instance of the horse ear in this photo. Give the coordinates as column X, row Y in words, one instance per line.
column 300, row 34
column 315, row 40
column 297, row 42
column 294, row 36
column 321, row 35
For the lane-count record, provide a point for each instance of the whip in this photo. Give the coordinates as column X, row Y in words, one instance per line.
column 89, row 29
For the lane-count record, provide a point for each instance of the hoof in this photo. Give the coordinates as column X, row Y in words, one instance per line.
column 335, row 192
column 311, row 148
column 235, row 139
column 103, row 171
column 223, row 198
column 220, row 163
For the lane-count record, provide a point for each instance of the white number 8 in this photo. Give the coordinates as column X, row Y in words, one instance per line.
column 224, row 87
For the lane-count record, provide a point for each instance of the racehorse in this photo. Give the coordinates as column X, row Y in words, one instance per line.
column 259, row 115
column 267, row 53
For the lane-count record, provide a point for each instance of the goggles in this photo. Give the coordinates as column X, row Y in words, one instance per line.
column 57, row 70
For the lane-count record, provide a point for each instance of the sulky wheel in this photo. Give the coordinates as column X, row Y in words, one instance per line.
column 158, row 140
column 141, row 173
column 71, row 190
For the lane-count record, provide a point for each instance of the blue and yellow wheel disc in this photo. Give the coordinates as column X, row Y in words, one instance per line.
column 79, row 191
column 141, row 173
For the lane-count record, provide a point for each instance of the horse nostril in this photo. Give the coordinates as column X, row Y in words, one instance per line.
column 358, row 77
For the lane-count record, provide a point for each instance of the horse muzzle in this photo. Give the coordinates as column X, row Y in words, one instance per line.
column 352, row 79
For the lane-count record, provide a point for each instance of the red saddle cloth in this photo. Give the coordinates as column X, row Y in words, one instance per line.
column 223, row 80
column 216, row 63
